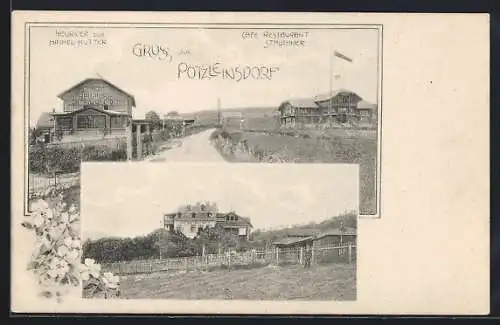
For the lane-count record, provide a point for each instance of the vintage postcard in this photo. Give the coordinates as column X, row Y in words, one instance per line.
column 178, row 157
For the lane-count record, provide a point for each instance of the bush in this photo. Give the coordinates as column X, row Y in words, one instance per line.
column 47, row 160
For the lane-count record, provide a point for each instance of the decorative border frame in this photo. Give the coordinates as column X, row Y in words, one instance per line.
column 302, row 26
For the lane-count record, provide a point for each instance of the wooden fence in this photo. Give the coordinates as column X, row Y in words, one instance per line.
column 38, row 185
column 117, row 142
column 345, row 253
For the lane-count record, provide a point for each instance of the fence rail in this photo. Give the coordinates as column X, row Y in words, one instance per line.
column 345, row 253
column 114, row 142
column 38, row 185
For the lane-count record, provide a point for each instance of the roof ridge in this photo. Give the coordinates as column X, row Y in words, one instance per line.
column 98, row 78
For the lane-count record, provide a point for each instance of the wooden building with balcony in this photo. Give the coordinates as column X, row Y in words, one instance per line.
column 340, row 108
column 91, row 109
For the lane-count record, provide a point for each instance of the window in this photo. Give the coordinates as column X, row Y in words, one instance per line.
column 178, row 229
column 99, row 122
column 106, row 107
column 65, row 123
column 193, row 215
column 90, row 122
column 194, row 228
column 83, row 122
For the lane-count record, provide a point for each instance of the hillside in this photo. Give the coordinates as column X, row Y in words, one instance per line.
column 261, row 237
column 211, row 116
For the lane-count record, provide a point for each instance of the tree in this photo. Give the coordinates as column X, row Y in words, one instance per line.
column 153, row 116
column 173, row 114
column 173, row 244
column 215, row 238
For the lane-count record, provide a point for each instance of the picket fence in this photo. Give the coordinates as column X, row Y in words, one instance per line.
column 345, row 253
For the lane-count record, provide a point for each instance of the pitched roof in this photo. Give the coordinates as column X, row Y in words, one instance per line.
column 108, row 112
column 363, row 104
column 336, row 232
column 211, row 215
column 303, row 102
column 99, row 79
column 242, row 221
column 291, row 240
column 45, row 121
column 312, row 102
column 335, row 92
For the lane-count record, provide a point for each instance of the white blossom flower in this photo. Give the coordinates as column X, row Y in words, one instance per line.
column 39, row 205
column 62, row 250
column 110, row 280
column 58, row 268
column 38, row 220
column 73, row 255
column 90, row 268
column 68, row 241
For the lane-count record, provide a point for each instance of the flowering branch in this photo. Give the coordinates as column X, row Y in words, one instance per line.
column 57, row 259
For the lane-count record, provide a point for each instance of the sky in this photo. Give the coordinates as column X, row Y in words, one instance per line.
column 304, row 71
column 126, row 200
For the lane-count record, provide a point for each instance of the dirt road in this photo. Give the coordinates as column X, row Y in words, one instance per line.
column 195, row 148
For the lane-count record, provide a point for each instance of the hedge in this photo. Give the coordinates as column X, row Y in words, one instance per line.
column 47, row 160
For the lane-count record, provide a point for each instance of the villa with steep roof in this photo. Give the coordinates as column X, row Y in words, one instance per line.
column 189, row 219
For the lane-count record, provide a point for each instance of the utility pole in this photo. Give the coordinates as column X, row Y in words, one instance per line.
column 218, row 112
column 330, row 91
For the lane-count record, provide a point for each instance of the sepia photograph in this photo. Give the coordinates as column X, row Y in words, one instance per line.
column 242, row 93
column 208, row 231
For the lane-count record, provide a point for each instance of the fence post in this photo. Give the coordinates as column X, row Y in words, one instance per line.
column 350, row 252
column 301, row 257
column 277, row 256
column 203, row 257
column 129, row 141
column 312, row 254
column 139, row 141
column 186, row 259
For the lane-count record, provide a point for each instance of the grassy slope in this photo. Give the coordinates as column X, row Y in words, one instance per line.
column 326, row 282
column 360, row 150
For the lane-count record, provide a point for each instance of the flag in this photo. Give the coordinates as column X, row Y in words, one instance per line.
column 342, row 56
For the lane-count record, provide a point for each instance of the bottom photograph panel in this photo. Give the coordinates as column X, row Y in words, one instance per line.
column 220, row 231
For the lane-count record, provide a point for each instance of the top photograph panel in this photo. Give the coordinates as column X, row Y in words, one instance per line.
column 269, row 93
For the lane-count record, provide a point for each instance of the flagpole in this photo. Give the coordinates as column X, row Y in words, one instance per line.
column 330, row 91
